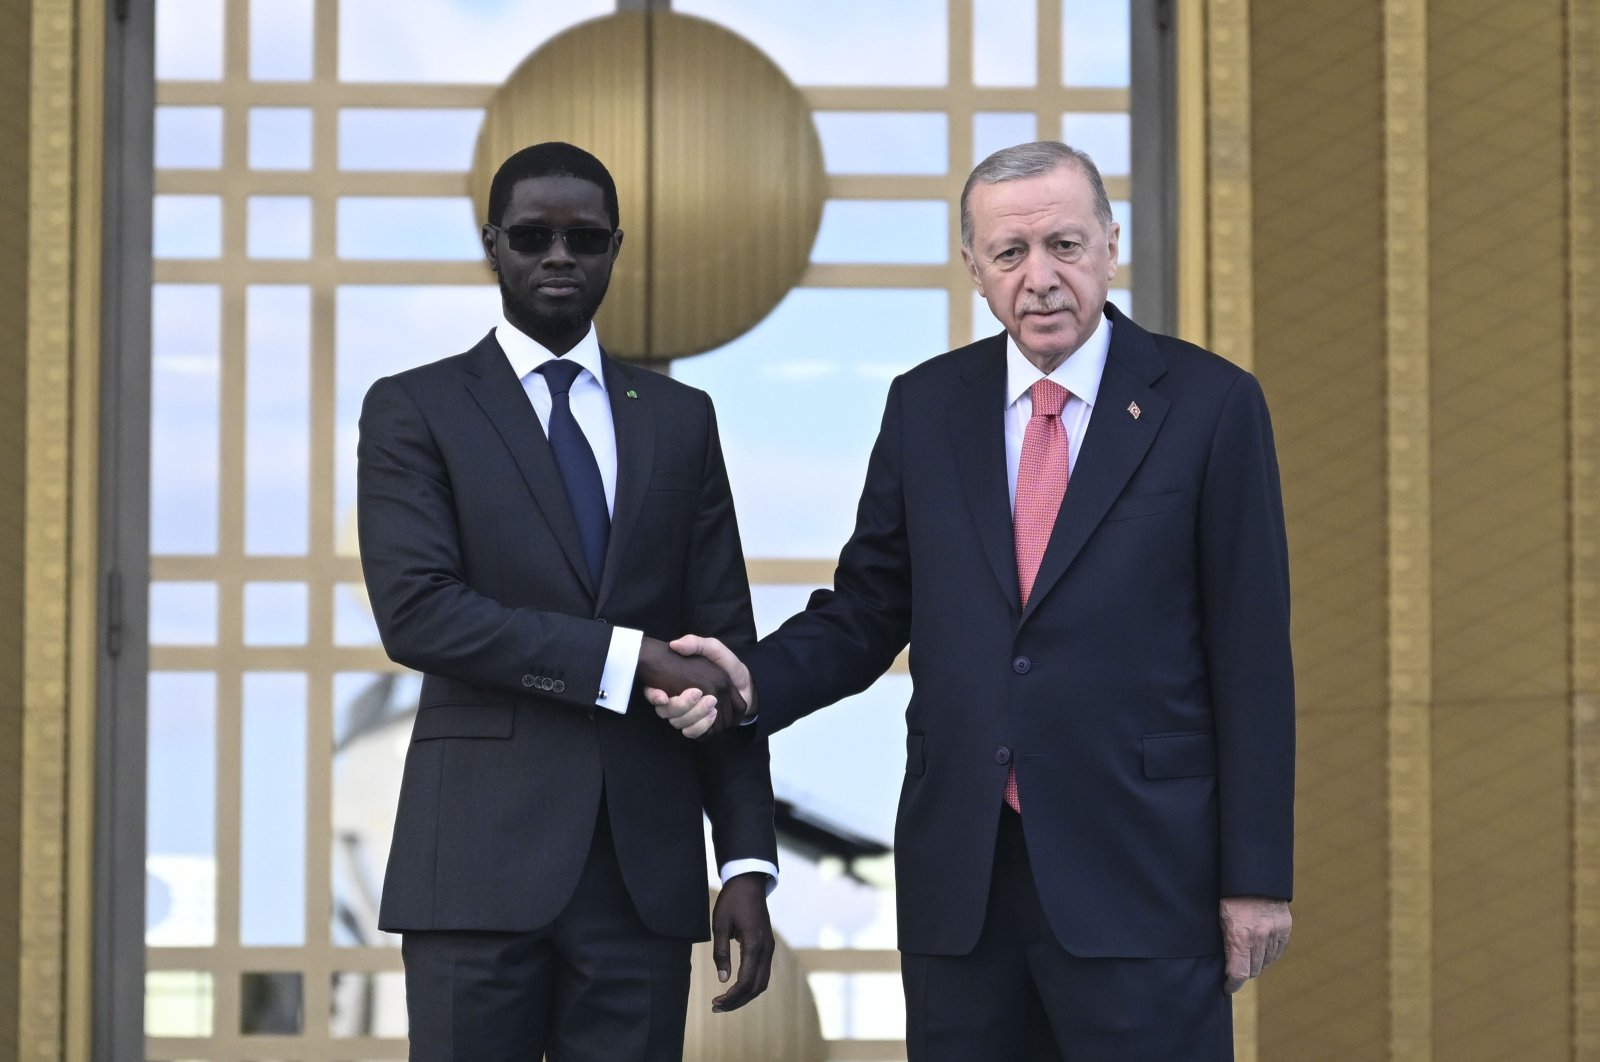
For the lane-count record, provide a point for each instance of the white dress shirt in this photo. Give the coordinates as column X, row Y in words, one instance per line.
column 1079, row 374
column 591, row 408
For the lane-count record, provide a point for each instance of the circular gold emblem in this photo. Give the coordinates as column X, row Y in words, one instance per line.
column 719, row 172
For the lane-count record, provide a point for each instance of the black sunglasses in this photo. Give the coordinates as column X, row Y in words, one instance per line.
column 537, row 239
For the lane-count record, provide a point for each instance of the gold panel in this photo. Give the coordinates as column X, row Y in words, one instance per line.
column 1410, row 527
column 14, row 73
column 1319, row 342
column 716, row 161
column 1501, row 558
column 1583, row 140
column 45, row 556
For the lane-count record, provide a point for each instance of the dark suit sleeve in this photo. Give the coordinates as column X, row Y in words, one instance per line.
column 735, row 779
column 848, row 636
column 429, row 618
column 1244, row 579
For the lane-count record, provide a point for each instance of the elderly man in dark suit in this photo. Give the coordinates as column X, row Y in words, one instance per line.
column 1077, row 527
column 535, row 517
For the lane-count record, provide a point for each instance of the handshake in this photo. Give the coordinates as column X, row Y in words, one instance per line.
column 696, row 684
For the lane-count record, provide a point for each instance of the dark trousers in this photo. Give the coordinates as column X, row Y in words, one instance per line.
column 594, row 986
column 1021, row 997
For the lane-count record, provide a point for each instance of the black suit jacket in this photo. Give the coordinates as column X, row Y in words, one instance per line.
column 1145, row 694
column 477, row 579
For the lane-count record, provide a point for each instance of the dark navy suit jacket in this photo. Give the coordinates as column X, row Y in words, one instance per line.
column 477, row 578
column 1145, row 695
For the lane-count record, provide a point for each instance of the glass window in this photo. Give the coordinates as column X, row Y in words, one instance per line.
column 188, row 138
column 882, row 230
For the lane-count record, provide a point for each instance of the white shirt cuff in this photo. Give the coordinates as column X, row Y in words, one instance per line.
column 734, row 867
column 622, row 662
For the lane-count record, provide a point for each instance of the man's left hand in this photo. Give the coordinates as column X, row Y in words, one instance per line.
column 741, row 914
column 1255, row 932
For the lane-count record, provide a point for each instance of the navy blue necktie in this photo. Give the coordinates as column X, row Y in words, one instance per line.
column 580, row 473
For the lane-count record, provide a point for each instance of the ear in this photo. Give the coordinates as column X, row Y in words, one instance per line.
column 972, row 269
column 490, row 250
column 1111, row 251
column 616, row 244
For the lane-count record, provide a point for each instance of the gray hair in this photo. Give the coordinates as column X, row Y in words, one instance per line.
column 1031, row 160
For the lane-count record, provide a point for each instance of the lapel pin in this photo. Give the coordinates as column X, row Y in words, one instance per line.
column 633, row 394
column 1133, row 410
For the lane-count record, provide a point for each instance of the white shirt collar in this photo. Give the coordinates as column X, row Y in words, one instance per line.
column 526, row 353
column 1080, row 373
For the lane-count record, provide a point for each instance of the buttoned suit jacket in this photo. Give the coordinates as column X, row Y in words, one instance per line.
column 477, row 578
column 1144, row 695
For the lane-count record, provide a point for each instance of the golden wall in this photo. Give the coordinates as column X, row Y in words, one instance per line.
column 1399, row 234
column 1423, row 241
column 14, row 71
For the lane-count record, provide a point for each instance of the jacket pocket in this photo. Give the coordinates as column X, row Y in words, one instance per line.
column 915, row 765
column 463, row 720
column 1191, row 755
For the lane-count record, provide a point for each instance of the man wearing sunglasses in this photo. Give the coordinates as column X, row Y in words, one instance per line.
column 536, row 518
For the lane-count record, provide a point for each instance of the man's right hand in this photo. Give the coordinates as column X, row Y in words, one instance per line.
column 692, row 680
column 693, row 711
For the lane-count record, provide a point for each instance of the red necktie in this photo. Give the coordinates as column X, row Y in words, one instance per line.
column 1041, row 484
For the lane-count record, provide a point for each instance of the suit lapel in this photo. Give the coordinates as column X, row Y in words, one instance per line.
column 499, row 394
column 978, row 436
column 1113, row 448
column 634, row 420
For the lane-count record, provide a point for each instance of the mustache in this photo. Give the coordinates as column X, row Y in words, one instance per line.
column 1048, row 304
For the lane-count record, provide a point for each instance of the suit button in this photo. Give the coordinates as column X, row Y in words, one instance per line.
column 528, row 681
column 558, row 687
column 1021, row 665
column 1002, row 755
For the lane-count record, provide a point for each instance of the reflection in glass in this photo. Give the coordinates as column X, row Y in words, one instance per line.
column 448, row 40
column 186, row 339
column 883, row 141
column 188, row 138
column 799, row 399
column 1104, row 136
column 1005, row 49
column 372, row 730
column 841, row 42
column 408, row 227
column 993, row 130
column 271, row 1004
column 1094, row 43
column 280, row 138
column 420, row 140
column 189, row 40
column 183, row 613
column 368, row 1004
column 181, row 810
column 187, row 226
column 279, row 226
column 177, row 1003
column 272, row 810
column 280, row 40
column 883, row 231
column 274, row 613
column 277, row 418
